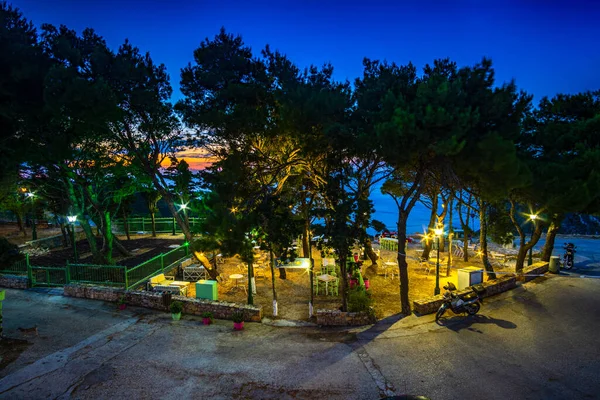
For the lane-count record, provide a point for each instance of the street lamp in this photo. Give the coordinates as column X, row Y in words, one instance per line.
column 532, row 217
column 34, row 230
column 438, row 232
column 72, row 219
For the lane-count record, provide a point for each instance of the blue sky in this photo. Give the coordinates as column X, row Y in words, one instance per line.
column 547, row 46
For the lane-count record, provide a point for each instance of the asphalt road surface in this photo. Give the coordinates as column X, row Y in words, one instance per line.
column 539, row 341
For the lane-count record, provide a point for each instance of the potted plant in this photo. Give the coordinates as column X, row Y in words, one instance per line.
column 176, row 309
column 121, row 303
column 207, row 317
column 366, row 281
column 238, row 320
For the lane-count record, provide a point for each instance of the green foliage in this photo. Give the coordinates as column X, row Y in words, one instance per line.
column 237, row 316
column 176, row 307
column 121, row 300
column 9, row 253
column 207, row 314
column 359, row 300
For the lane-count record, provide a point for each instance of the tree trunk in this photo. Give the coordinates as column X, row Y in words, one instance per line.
column 430, row 227
column 250, row 277
column 108, row 236
column 306, row 238
column 117, row 243
column 402, row 264
column 153, row 219
column 126, row 224
column 553, row 228
column 483, row 242
column 526, row 246
column 370, row 253
column 344, row 278
column 166, row 195
column 87, row 229
column 20, row 224
column 273, row 283
column 63, row 231
column 440, row 222
column 450, row 234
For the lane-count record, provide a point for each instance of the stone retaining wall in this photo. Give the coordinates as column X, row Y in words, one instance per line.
column 538, row 268
column 14, row 281
column 432, row 304
column 220, row 310
column 339, row 318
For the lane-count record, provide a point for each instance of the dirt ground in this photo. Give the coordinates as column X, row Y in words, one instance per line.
column 11, row 232
column 293, row 293
column 142, row 248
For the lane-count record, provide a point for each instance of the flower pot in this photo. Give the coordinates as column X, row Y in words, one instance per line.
column 176, row 317
column 238, row 326
column 353, row 282
column 206, row 321
column 366, row 284
column 122, row 306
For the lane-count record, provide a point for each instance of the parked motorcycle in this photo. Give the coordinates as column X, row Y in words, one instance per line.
column 569, row 256
column 469, row 303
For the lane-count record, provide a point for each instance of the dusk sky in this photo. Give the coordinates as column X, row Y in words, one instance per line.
column 547, row 46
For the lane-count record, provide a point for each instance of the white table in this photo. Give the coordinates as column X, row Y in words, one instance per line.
column 389, row 265
column 326, row 278
column 236, row 278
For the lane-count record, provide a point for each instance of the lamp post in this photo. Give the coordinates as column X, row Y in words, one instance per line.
column 438, row 232
column 532, row 217
column 72, row 219
column 34, row 230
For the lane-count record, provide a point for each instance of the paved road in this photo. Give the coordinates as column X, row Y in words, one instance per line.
column 539, row 341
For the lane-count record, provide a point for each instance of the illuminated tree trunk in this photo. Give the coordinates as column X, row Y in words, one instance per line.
column 402, row 264
column 153, row 219
column 275, row 311
column 126, row 224
column 108, row 236
column 483, row 242
column 553, row 228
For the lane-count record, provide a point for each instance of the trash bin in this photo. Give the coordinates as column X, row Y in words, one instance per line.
column 469, row 276
column 554, row 265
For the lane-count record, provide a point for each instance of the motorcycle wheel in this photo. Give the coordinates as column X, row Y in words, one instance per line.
column 568, row 263
column 473, row 309
column 439, row 314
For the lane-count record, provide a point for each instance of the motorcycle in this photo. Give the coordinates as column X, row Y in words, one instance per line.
column 469, row 303
column 569, row 256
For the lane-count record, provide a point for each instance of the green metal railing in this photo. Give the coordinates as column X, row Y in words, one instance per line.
column 156, row 265
column 144, row 224
column 107, row 275
column 18, row 268
column 48, row 276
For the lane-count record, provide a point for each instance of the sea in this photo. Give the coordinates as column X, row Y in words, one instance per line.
column 386, row 211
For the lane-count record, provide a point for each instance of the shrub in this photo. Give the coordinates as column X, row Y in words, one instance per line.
column 9, row 253
column 176, row 307
column 237, row 316
column 207, row 314
column 359, row 300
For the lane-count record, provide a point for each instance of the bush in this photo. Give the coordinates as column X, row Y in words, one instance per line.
column 9, row 253
column 207, row 314
column 176, row 307
column 237, row 316
column 359, row 300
